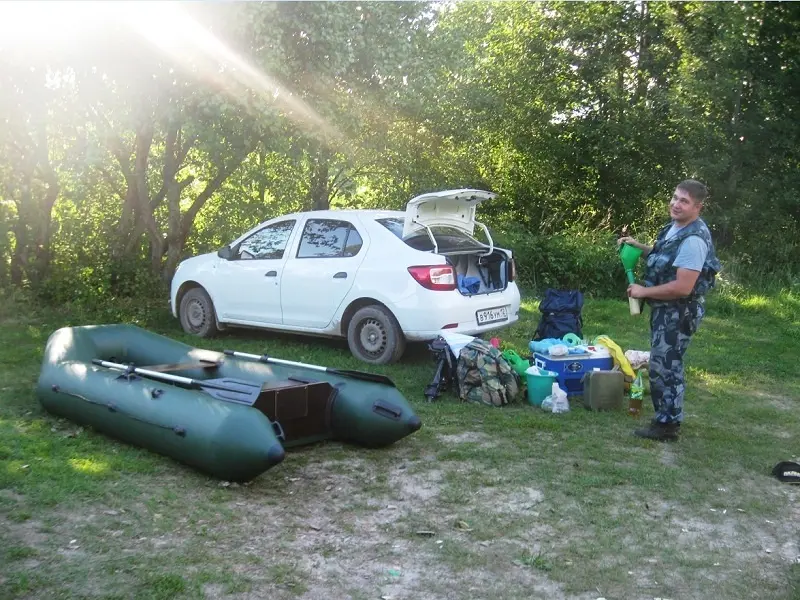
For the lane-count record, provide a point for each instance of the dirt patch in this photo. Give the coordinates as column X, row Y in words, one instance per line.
column 12, row 495
column 668, row 457
column 404, row 528
column 523, row 502
column 467, row 437
column 28, row 533
column 368, row 545
column 779, row 401
column 416, row 487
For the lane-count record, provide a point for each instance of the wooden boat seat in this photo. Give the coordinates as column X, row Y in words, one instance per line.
column 202, row 364
column 303, row 408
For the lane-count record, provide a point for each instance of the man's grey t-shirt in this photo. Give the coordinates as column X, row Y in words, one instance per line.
column 692, row 251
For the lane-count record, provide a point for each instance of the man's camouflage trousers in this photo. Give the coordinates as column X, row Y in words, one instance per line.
column 671, row 328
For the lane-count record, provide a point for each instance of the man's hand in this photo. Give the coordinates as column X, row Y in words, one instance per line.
column 626, row 239
column 637, row 291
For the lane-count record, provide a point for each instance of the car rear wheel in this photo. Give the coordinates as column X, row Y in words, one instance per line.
column 197, row 313
column 374, row 336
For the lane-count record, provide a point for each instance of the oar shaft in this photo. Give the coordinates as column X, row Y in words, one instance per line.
column 229, row 390
column 278, row 361
column 145, row 372
column 289, row 363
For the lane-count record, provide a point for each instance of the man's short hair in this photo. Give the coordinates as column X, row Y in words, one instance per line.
column 697, row 190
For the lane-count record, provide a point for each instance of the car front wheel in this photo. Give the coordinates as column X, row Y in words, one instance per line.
column 197, row 313
column 374, row 336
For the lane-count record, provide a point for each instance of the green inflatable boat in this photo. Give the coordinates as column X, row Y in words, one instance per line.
column 229, row 414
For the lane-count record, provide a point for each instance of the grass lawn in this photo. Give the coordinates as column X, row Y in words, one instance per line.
column 480, row 503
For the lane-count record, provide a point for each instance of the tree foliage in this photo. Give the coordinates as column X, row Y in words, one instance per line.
column 149, row 136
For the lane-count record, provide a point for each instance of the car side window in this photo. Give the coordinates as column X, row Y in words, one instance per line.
column 354, row 243
column 267, row 243
column 328, row 238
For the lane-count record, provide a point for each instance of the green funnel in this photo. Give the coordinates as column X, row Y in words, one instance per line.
column 629, row 255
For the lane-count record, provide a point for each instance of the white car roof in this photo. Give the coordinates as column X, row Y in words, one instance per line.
column 344, row 213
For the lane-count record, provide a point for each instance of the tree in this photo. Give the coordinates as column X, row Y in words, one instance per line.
column 30, row 179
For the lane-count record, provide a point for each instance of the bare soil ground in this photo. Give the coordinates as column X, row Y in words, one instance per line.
column 406, row 524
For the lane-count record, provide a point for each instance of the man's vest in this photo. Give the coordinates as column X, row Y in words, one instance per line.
column 665, row 251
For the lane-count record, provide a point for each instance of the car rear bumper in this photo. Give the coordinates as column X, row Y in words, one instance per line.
column 422, row 336
column 424, row 316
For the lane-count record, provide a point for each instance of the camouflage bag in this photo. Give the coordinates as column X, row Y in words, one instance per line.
column 485, row 376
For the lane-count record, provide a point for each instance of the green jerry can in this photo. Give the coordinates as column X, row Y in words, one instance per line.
column 603, row 390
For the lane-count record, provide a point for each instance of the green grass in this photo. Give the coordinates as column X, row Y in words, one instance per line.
column 479, row 502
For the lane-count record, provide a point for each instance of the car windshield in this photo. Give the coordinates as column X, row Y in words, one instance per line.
column 448, row 239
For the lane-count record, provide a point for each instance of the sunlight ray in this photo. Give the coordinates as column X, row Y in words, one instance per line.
column 42, row 26
column 168, row 27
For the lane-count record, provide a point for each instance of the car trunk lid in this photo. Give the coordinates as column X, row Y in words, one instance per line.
column 450, row 208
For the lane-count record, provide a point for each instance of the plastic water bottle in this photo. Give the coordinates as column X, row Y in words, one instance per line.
column 637, row 393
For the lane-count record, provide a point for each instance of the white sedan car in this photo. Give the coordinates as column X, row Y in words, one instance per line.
column 376, row 277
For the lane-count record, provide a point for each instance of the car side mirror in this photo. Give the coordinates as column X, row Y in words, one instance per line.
column 225, row 252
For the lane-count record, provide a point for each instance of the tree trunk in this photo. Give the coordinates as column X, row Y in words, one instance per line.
column 320, row 190
column 32, row 230
column 32, row 185
column 44, row 229
column 19, row 260
column 176, row 239
column 643, row 57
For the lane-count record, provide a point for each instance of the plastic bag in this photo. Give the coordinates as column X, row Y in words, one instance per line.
column 560, row 401
column 637, row 358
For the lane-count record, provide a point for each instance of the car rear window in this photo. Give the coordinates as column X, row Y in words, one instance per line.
column 449, row 239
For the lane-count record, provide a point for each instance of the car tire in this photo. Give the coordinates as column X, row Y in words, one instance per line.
column 197, row 313
column 374, row 336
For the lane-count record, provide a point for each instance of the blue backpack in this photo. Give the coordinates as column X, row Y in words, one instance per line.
column 561, row 314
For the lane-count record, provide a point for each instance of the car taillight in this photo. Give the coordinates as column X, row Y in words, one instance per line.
column 439, row 278
column 512, row 270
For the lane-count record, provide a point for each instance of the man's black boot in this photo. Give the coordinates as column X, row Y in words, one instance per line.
column 661, row 432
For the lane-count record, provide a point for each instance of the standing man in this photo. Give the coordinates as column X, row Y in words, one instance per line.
column 681, row 269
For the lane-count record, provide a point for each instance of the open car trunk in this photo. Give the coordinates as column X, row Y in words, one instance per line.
column 444, row 223
column 481, row 273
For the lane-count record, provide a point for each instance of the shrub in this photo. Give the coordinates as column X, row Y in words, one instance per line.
column 585, row 261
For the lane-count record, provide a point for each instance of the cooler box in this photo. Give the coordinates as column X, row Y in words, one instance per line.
column 572, row 367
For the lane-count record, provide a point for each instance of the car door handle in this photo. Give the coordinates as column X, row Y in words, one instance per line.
column 271, row 274
column 340, row 275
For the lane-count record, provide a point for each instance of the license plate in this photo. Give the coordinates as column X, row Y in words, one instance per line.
column 492, row 315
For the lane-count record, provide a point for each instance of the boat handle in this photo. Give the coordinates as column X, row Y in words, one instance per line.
column 279, row 433
column 386, row 409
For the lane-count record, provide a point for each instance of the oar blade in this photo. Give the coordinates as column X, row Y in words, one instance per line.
column 363, row 375
column 231, row 390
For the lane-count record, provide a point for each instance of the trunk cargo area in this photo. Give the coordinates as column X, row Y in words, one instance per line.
column 479, row 273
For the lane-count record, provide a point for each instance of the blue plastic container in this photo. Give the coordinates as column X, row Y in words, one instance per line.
column 571, row 368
